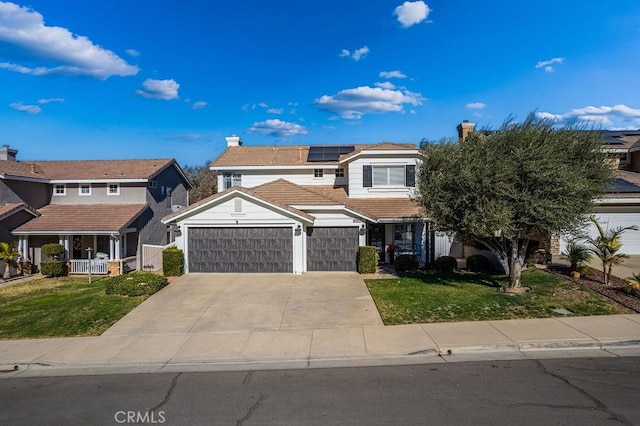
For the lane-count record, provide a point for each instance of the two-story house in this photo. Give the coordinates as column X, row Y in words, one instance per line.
column 110, row 206
column 304, row 208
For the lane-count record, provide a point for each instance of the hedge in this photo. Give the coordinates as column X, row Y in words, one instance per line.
column 406, row 262
column 56, row 268
column 478, row 263
column 52, row 249
column 367, row 259
column 172, row 262
column 445, row 264
column 135, row 284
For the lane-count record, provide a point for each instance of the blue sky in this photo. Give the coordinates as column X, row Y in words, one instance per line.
column 155, row 79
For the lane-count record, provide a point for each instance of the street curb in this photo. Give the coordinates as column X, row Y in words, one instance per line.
column 429, row 356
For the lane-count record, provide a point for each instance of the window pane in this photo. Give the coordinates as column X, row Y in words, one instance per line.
column 380, row 176
column 396, row 176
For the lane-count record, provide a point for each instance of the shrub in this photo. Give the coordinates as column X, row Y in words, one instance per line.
column 367, row 259
column 406, row 262
column 56, row 268
column 445, row 264
column 53, row 249
column 478, row 263
column 172, row 262
column 135, row 284
column 576, row 254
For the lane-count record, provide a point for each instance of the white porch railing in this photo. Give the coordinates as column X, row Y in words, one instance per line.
column 152, row 257
column 81, row 266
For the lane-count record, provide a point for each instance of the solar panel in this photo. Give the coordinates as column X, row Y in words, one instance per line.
column 328, row 153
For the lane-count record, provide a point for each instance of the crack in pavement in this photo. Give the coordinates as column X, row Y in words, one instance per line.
column 248, row 377
column 599, row 405
column 174, row 382
column 252, row 409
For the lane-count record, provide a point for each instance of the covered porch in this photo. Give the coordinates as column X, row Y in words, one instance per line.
column 95, row 238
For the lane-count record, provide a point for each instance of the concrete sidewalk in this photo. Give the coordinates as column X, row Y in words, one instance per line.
column 616, row 335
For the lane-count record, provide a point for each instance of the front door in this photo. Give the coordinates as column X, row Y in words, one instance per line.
column 376, row 239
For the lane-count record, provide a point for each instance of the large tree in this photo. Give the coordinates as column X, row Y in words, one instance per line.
column 499, row 189
column 204, row 181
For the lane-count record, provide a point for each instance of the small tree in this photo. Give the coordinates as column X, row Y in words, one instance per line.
column 8, row 254
column 606, row 246
column 500, row 189
column 54, row 250
column 577, row 254
column 204, row 181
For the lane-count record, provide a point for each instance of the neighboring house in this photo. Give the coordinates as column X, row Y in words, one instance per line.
column 621, row 204
column 304, row 208
column 110, row 206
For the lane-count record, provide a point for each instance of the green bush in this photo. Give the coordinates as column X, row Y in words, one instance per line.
column 56, row 268
column 406, row 262
column 478, row 263
column 172, row 262
column 445, row 264
column 53, row 249
column 135, row 284
column 367, row 259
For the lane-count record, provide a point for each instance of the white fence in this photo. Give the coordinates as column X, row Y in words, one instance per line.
column 81, row 266
column 152, row 257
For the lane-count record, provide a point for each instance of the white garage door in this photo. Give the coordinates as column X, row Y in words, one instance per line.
column 630, row 239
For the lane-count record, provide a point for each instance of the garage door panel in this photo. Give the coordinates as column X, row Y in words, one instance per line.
column 332, row 249
column 240, row 250
column 630, row 239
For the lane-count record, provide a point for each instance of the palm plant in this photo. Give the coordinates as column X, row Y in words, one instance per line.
column 606, row 246
column 8, row 254
column 576, row 253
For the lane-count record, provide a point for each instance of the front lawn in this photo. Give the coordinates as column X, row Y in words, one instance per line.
column 423, row 297
column 60, row 307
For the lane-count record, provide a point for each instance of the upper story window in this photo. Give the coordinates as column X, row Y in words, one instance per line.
column 84, row 189
column 394, row 176
column 153, row 184
column 231, row 179
column 339, row 172
column 113, row 189
column 60, row 189
column 318, row 173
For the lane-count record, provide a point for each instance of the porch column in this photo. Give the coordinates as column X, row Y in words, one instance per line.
column 63, row 240
column 111, row 250
column 24, row 247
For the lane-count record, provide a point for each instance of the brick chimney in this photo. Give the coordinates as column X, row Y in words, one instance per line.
column 465, row 128
column 8, row 154
column 234, row 140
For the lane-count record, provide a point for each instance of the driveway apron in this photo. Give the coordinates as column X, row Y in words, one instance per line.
column 205, row 303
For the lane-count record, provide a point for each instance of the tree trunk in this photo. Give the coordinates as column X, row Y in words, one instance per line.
column 609, row 272
column 518, row 257
column 604, row 273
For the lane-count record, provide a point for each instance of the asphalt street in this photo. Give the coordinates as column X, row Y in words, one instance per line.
column 581, row 391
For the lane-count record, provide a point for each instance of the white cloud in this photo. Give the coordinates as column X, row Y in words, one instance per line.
column 58, row 50
column 392, row 74
column 548, row 65
column 49, row 100
column 354, row 103
column 276, row 127
column 356, row 55
column 199, row 104
column 159, row 89
column 29, row 109
column 617, row 116
column 412, row 12
column 275, row 110
column 261, row 105
column 476, row 105
column 132, row 52
column 386, row 85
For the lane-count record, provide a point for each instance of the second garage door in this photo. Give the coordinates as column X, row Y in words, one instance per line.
column 332, row 249
column 240, row 250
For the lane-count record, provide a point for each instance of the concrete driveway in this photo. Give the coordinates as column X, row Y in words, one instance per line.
column 203, row 303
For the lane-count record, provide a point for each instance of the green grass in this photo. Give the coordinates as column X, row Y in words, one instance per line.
column 424, row 297
column 60, row 307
